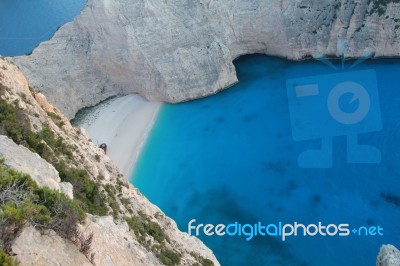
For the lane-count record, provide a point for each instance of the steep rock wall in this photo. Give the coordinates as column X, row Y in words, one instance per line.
column 179, row 50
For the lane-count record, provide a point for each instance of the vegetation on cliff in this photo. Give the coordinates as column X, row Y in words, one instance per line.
column 143, row 227
column 7, row 260
column 39, row 207
column 98, row 188
column 23, row 203
column 14, row 124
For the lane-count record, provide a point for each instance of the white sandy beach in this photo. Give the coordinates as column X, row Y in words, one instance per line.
column 122, row 123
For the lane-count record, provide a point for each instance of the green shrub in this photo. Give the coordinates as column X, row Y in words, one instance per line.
column 65, row 213
column 57, row 153
column 207, row 262
column 13, row 122
column 110, row 189
column 121, row 183
column 126, row 202
column 85, row 190
column 8, row 122
column 22, row 202
column 111, row 199
column 203, row 261
column 53, row 116
column 6, row 260
column 167, row 256
column 22, row 95
column 142, row 226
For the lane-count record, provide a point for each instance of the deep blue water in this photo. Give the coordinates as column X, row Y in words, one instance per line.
column 231, row 157
column 26, row 23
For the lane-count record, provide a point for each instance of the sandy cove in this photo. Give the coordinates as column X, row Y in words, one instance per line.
column 122, row 123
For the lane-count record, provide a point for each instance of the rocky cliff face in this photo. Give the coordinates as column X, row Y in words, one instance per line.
column 179, row 50
column 22, row 159
column 115, row 241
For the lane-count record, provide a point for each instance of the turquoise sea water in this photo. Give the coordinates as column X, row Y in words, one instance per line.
column 231, row 158
column 25, row 23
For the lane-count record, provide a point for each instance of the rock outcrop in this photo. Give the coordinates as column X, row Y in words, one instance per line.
column 179, row 50
column 23, row 160
column 388, row 256
column 34, row 248
column 113, row 242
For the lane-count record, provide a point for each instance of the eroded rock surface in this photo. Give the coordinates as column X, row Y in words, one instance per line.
column 179, row 50
column 23, row 160
column 388, row 256
column 34, row 248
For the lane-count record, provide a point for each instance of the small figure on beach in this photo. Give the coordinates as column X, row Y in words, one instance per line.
column 103, row 146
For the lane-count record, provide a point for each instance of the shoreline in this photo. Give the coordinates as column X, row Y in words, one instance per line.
column 123, row 123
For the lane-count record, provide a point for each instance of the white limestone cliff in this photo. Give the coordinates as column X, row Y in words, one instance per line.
column 23, row 160
column 179, row 50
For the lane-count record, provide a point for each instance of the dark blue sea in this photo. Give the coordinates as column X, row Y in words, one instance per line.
column 26, row 23
column 232, row 158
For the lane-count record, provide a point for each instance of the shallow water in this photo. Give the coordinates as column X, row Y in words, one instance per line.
column 231, row 157
column 26, row 23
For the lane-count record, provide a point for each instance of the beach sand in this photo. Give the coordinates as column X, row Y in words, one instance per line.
column 123, row 123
